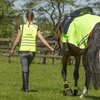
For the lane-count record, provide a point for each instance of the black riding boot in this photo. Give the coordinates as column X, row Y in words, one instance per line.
column 25, row 81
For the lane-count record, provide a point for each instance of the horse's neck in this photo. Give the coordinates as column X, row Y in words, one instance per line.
column 59, row 37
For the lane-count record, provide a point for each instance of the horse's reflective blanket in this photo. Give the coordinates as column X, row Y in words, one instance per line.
column 80, row 29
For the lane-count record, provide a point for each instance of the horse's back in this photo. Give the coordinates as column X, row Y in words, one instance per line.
column 87, row 20
column 80, row 28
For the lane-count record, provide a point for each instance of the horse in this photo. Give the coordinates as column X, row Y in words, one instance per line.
column 70, row 49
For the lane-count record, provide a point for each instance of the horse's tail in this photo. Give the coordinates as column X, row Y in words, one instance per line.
column 93, row 56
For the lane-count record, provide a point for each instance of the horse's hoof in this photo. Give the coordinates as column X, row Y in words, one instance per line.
column 75, row 92
column 68, row 92
column 84, row 94
column 81, row 96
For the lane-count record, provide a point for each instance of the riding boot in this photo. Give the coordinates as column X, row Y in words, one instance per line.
column 23, row 85
column 25, row 81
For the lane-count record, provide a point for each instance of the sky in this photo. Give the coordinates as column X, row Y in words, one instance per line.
column 84, row 2
column 19, row 3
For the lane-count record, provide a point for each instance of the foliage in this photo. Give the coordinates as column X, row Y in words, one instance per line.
column 8, row 18
column 51, row 11
column 47, row 13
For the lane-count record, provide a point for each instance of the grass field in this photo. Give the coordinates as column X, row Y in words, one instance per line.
column 45, row 81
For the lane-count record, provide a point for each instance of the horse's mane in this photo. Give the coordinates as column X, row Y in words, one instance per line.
column 93, row 55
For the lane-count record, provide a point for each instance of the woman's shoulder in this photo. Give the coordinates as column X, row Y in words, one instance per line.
column 31, row 25
column 35, row 25
column 22, row 25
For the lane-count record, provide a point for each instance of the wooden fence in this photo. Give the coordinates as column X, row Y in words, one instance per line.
column 42, row 51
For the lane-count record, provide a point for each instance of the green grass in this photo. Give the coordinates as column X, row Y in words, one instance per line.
column 45, row 81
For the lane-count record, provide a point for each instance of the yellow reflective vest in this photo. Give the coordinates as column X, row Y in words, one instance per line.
column 28, row 40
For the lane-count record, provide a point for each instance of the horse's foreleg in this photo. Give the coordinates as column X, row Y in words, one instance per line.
column 64, row 73
column 65, row 60
column 76, row 74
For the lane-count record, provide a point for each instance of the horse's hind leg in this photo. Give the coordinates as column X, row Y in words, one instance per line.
column 88, row 74
column 76, row 74
column 65, row 60
column 87, row 83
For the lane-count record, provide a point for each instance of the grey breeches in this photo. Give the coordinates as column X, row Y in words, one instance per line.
column 26, row 59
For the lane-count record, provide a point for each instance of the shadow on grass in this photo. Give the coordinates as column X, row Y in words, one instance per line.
column 72, row 94
column 93, row 98
column 33, row 90
column 88, row 97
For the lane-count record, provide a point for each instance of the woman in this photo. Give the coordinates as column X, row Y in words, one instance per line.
column 27, row 38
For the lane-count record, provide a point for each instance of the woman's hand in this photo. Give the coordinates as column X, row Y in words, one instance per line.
column 51, row 49
column 44, row 41
column 11, row 53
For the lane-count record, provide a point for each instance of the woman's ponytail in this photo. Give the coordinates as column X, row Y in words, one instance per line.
column 29, row 16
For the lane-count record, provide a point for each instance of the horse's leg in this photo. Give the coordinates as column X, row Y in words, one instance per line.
column 65, row 60
column 88, row 75
column 86, row 87
column 76, row 74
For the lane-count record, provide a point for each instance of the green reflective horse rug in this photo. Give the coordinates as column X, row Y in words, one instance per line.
column 80, row 29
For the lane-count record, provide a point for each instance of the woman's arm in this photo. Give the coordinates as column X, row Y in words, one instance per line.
column 16, row 42
column 44, row 41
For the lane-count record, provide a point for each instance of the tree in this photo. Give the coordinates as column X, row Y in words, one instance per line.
column 47, row 10
column 50, row 12
column 8, row 18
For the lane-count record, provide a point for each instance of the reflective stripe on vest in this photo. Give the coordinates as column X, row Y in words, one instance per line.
column 28, row 41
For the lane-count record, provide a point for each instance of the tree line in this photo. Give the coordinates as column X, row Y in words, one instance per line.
column 47, row 13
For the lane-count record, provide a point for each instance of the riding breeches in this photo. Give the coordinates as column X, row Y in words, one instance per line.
column 26, row 59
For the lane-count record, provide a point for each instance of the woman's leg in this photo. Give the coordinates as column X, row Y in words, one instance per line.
column 26, row 60
column 31, row 57
column 25, row 68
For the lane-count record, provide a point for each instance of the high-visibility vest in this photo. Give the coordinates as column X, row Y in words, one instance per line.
column 28, row 40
